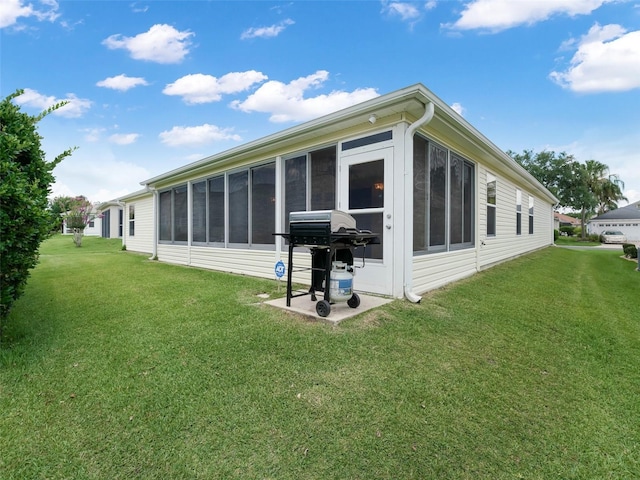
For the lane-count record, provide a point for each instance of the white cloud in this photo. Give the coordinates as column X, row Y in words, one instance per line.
column 267, row 32
column 161, row 44
column 497, row 15
column 198, row 135
column 607, row 59
column 404, row 10
column 12, row 10
column 286, row 102
column 200, row 88
column 135, row 8
column 92, row 134
column 122, row 82
column 75, row 108
column 618, row 150
column 98, row 175
column 458, row 108
column 124, row 138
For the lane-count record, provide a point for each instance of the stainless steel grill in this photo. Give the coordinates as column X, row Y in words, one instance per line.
column 331, row 236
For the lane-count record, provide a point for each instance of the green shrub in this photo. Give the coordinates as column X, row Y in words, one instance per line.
column 25, row 220
column 556, row 234
column 594, row 237
column 630, row 250
column 568, row 230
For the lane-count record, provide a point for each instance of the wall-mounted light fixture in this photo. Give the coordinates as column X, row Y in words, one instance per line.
column 373, row 118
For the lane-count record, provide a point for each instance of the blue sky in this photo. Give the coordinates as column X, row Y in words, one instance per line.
column 154, row 85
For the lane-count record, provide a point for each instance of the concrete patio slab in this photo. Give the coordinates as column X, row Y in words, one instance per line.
column 339, row 311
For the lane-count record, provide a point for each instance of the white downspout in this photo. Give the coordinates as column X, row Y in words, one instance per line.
column 408, row 201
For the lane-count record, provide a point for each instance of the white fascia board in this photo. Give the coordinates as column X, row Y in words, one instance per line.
column 409, row 100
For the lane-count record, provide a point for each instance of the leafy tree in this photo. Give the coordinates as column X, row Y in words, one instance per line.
column 26, row 178
column 79, row 215
column 584, row 187
column 58, row 207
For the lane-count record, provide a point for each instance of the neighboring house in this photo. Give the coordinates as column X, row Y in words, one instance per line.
column 112, row 219
column 561, row 220
column 445, row 200
column 625, row 219
column 140, row 222
column 93, row 229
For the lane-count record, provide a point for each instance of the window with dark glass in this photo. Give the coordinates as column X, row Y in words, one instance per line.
column 239, row 207
column 443, row 198
column 323, row 179
column 491, row 204
column 164, row 213
column 530, row 215
column 180, row 214
column 199, row 209
column 106, row 224
column 263, row 204
column 295, row 186
column 216, row 207
column 518, row 212
column 172, row 215
column 132, row 220
column 310, row 182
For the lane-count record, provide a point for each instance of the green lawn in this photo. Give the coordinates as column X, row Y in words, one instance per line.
column 576, row 241
column 117, row 367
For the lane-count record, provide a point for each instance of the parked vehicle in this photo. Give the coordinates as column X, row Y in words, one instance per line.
column 613, row 236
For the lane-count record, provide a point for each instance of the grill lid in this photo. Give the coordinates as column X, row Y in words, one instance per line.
column 337, row 219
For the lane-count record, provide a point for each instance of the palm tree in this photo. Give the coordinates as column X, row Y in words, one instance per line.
column 605, row 190
column 610, row 193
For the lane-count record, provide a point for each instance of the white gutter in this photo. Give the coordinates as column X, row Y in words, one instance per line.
column 408, row 201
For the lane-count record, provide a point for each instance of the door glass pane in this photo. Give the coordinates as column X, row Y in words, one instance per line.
column 372, row 222
column 366, row 185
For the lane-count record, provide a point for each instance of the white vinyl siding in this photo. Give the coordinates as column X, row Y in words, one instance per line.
column 142, row 241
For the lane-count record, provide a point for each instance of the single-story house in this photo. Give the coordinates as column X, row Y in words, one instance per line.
column 562, row 220
column 445, row 201
column 625, row 219
column 112, row 219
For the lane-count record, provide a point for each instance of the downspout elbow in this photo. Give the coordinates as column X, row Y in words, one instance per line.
column 427, row 116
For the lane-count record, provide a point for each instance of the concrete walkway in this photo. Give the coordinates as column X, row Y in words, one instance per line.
column 602, row 246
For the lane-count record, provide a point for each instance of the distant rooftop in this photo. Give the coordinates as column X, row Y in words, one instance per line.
column 630, row 212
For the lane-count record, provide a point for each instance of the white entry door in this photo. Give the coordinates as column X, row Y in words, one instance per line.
column 366, row 181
